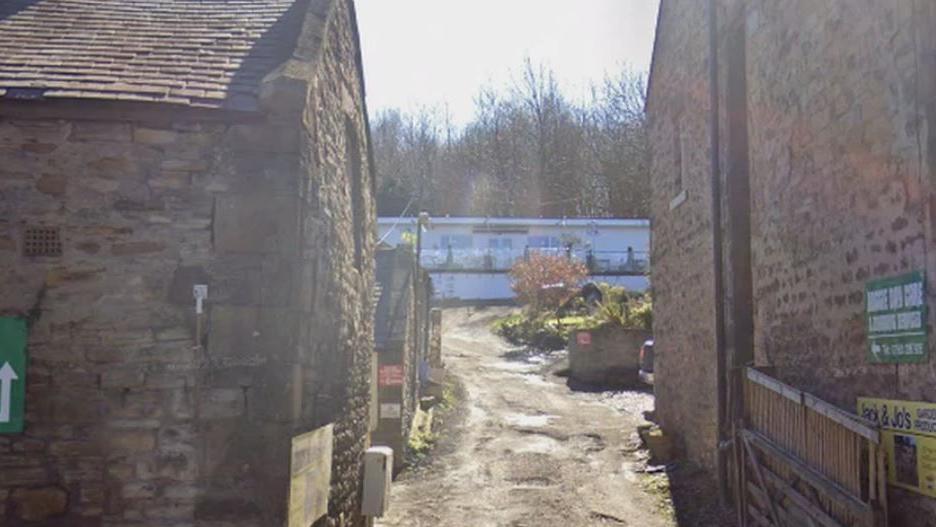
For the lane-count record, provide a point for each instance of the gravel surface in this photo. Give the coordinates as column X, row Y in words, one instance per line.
column 524, row 449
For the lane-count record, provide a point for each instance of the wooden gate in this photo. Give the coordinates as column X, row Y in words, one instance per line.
column 804, row 462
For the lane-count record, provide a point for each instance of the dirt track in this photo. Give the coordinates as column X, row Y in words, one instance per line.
column 530, row 451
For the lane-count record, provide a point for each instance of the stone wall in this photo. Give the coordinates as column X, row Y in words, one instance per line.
column 402, row 337
column 140, row 412
column 840, row 188
column 394, row 341
column 684, row 338
column 608, row 355
column 841, row 179
column 435, row 337
column 341, row 217
column 839, row 102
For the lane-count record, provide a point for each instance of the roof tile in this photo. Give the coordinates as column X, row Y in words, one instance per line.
column 207, row 53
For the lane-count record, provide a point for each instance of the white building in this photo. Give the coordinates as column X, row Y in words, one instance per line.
column 469, row 258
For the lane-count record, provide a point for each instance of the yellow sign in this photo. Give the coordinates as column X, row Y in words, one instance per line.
column 310, row 476
column 908, row 434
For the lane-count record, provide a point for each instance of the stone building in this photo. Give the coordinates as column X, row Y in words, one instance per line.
column 826, row 163
column 147, row 147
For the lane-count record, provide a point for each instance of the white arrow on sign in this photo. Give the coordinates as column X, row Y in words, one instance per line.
column 7, row 376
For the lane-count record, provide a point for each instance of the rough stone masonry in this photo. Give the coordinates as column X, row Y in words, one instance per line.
column 827, row 115
column 213, row 143
column 402, row 340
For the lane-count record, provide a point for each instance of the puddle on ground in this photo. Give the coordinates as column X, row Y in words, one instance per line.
column 538, row 444
column 531, row 483
column 628, row 470
column 528, row 420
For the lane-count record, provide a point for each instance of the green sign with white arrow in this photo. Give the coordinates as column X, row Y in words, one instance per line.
column 12, row 374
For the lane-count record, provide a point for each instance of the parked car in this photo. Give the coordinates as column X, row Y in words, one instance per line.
column 646, row 362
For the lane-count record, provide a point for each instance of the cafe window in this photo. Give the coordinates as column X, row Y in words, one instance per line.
column 544, row 242
column 457, row 241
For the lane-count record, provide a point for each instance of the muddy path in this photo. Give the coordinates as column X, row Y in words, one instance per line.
column 528, row 451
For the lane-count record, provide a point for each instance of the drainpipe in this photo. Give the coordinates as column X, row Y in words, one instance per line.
column 717, row 250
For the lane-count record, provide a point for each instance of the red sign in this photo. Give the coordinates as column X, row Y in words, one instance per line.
column 390, row 375
column 583, row 338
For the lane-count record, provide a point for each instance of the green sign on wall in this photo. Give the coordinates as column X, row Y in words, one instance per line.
column 12, row 374
column 896, row 314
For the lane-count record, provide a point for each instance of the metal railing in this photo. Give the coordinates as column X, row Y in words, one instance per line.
column 501, row 260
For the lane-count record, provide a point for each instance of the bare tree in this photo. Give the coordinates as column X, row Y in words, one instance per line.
column 529, row 151
column 620, row 143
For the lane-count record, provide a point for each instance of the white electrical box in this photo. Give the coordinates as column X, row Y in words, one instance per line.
column 200, row 292
column 378, row 474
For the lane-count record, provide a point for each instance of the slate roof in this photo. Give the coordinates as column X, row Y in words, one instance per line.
column 205, row 53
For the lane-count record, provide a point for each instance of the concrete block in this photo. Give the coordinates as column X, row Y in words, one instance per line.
column 378, row 475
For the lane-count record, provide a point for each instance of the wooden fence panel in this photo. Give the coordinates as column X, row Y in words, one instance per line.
column 805, row 462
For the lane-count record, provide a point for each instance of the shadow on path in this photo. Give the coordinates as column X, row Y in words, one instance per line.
column 694, row 494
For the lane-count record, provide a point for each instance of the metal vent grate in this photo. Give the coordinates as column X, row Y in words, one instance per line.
column 42, row 241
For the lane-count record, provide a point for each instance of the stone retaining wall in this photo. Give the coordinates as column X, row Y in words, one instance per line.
column 607, row 355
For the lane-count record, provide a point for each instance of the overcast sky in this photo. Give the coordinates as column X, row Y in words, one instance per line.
column 439, row 53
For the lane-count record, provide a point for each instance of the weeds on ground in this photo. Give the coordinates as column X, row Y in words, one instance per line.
column 430, row 426
column 421, row 441
column 449, row 398
column 658, row 487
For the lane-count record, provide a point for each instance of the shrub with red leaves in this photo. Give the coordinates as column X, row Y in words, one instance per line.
column 545, row 282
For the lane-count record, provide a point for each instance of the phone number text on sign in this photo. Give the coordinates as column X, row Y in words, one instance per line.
column 896, row 319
